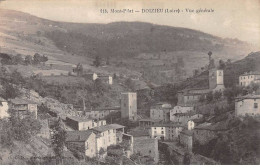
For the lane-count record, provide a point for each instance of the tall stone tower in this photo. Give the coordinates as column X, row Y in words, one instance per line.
column 129, row 106
column 216, row 79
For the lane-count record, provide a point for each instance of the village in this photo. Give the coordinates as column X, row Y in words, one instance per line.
column 124, row 134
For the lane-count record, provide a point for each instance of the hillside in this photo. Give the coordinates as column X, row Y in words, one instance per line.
column 150, row 51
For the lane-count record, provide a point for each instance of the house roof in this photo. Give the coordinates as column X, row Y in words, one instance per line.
column 191, row 113
column 249, row 96
column 171, row 124
column 250, row 73
column 107, row 127
column 198, row 120
column 138, row 132
column 104, row 76
column 78, row 135
column 220, row 126
column 169, row 106
column 107, row 108
column 79, row 119
column 151, row 120
column 193, row 90
column 187, row 132
column 22, row 101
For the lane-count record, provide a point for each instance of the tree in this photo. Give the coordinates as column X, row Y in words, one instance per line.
column 130, row 84
column 9, row 91
column 186, row 159
column 79, row 69
column 217, row 95
column 59, row 140
column 17, row 59
column 222, row 64
column 209, row 97
column 97, row 61
column 36, row 58
column 202, row 98
column 100, row 87
column 28, row 60
column 212, row 64
column 20, row 129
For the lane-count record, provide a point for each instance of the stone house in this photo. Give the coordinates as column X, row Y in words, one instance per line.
column 143, row 144
column 24, row 108
column 182, row 109
column 79, row 123
column 82, row 123
column 183, row 118
column 166, row 131
column 108, row 135
column 248, row 78
column 149, row 122
column 247, row 105
column 186, row 139
column 90, row 76
column 190, row 97
column 160, row 111
column 205, row 132
column 101, row 113
column 82, row 141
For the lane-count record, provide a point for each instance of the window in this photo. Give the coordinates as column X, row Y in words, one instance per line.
column 255, row 105
column 162, row 132
column 155, row 132
column 150, row 151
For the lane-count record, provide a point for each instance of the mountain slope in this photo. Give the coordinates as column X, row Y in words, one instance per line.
column 161, row 54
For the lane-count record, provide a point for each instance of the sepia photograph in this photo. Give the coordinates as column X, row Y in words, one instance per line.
column 129, row 82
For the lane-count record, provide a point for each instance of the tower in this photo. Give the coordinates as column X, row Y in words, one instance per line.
column 216, row 78
column 129, row 105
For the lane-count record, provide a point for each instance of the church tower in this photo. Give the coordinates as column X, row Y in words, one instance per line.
column 216, row 78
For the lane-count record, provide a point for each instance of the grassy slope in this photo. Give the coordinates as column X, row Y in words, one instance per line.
column 116, row 40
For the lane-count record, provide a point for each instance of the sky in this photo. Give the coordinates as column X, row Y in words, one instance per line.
column 230, row 19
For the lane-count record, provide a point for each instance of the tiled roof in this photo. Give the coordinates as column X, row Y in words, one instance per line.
column 22, row 101
column 187, row 132
column 171, row 124
column 79, row 119
column 107, row 127
column 250, row 73
column 107, row 108
column 250, row 96
column 191, row 113
column 151, row 120
column 198, row 120
column 78, row 135
column 138, row 132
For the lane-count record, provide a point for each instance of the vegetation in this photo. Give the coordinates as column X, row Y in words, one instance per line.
column 19, row 129
column 59, row 140
column 240, row 145
column 18, row 59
